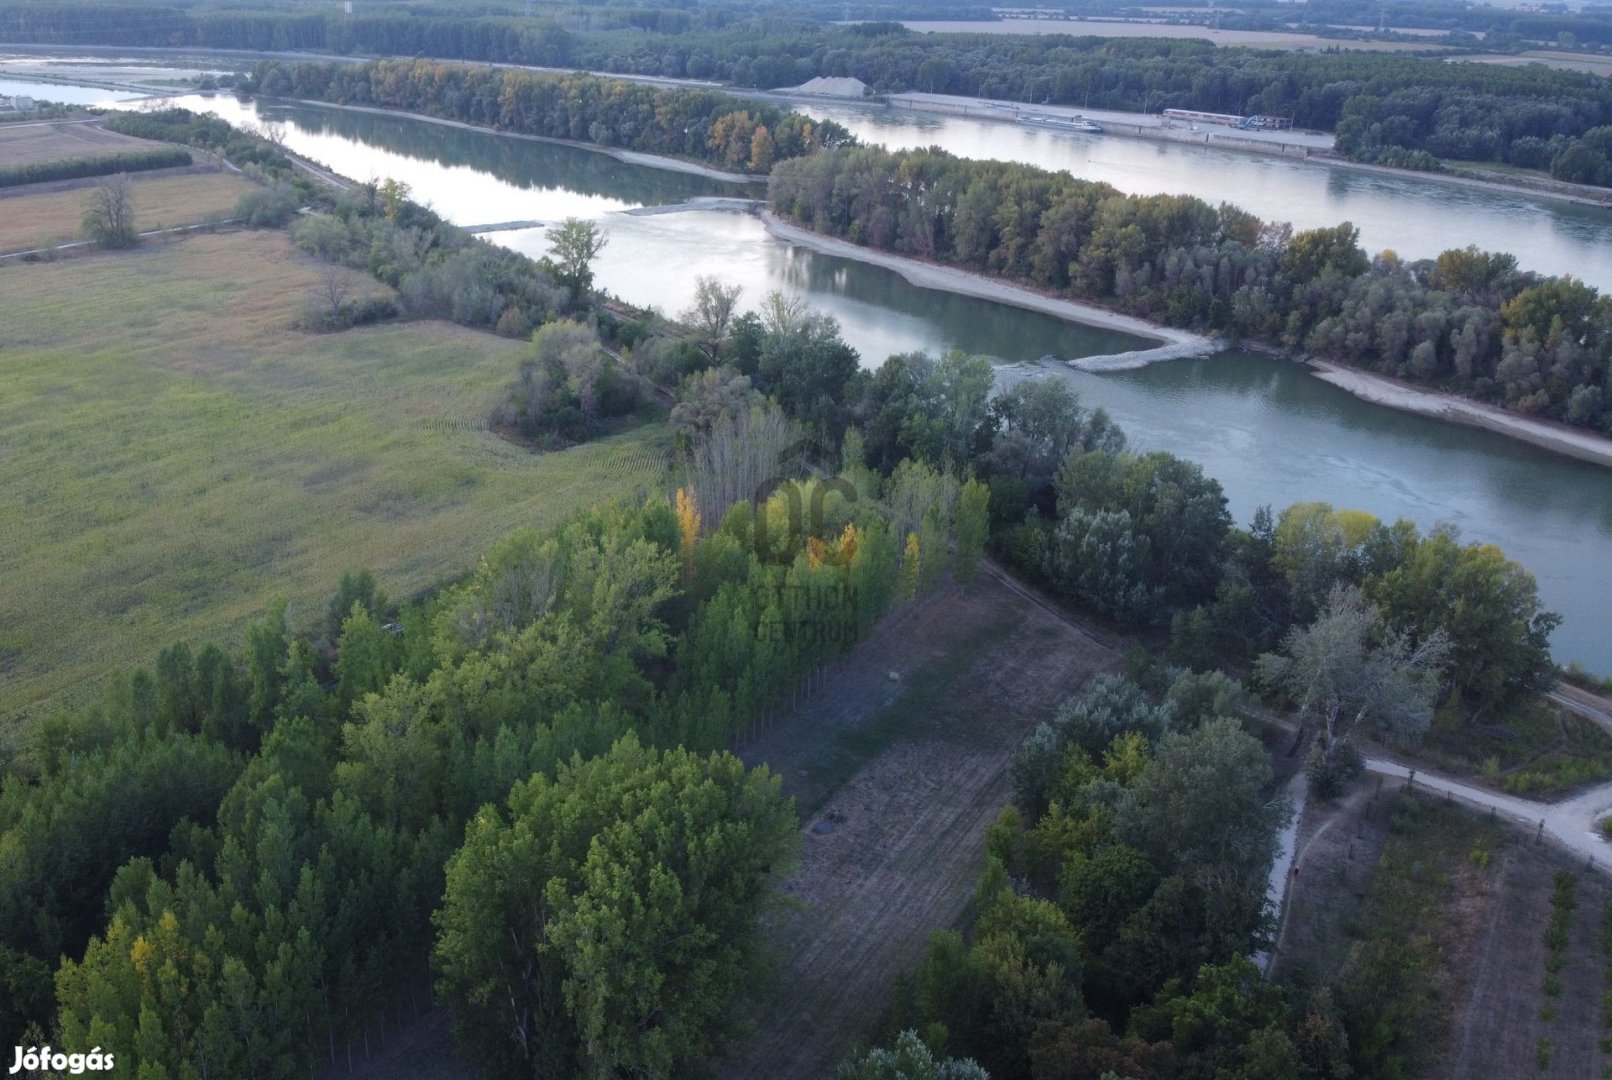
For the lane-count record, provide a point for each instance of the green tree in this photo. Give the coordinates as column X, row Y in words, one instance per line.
column 574, row 244
column 973, row 528
column 1486, row 604
column 602, row 927
column 712, row 311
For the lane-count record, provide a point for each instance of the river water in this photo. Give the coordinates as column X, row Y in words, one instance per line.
column 1270, row 432
column 1418, row 217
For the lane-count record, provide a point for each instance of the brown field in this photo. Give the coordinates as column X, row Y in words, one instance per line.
column 1481, row 891
column 31, row 218
column 1119, row 28
column 29, row 144
column 897, row 782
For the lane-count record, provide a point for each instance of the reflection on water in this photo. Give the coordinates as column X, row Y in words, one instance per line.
column 1416, row 216
column 60, row 93
column 1267, row 430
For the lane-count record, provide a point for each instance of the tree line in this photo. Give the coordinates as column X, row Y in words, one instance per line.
column 1468, row 321
column 703, row 125
column 99, row 165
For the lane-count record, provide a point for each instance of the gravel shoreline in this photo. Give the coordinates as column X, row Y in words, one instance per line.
column 965, row 283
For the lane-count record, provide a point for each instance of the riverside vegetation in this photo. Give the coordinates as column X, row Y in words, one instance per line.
column 1392, row 108
column 518, row 784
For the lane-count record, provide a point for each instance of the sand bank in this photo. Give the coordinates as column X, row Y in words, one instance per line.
column 1560, row 438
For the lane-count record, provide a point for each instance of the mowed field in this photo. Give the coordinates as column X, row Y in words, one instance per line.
column 897, row 781
column 29, row 144
column 175, row 456
column 44, row 215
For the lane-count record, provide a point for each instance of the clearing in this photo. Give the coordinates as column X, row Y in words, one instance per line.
column 1454, row 906
column 44, row 215
column 176, row 456
column 897, row 781
column 30, row 144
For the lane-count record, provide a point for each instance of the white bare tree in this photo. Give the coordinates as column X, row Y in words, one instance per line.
column 1347, row 671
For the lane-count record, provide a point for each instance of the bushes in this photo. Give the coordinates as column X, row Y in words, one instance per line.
column 1329, row 776
column 167, row 157
column 268, row 208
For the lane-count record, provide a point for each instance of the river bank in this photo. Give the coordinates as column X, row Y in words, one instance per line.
column 928, row 275
column 630, row 157
column 1172, row 344
column 1382, row 390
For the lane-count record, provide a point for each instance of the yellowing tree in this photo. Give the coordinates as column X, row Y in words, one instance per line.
column 688, row 529
column 762, row 150
column 911, row 564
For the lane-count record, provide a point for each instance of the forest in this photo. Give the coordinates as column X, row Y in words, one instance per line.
column 1385, row 107
column 516, row 789
column 1468, row 321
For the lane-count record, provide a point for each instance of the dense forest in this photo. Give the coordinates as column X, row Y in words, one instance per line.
column 1468, row 321
column 1385, row 107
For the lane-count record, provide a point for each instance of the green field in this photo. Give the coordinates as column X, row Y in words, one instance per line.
column 175, row 457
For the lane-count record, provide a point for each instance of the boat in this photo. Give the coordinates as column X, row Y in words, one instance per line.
column 1064, row 123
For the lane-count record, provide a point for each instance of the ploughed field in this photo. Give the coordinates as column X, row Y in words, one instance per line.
column 177, row 456
column 897, row 781
column 46, row 215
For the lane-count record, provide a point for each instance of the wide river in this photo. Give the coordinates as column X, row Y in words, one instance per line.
column 1270, row 432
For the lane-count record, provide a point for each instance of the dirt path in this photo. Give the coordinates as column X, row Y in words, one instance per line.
column 893, row 850
column 1570, row 823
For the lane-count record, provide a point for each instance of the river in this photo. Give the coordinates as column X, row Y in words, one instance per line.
column 1270, row 432
column 1416, row 216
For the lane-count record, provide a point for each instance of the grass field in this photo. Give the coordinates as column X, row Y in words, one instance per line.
column 175, row 456
column 29, row 144
column 31, row 218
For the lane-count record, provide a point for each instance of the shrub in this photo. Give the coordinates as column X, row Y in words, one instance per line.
column 1329, row 777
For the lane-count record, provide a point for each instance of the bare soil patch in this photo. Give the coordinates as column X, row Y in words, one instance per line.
column 30, row 144
column 31, row 218
column 1339, row 845
column 1498, row 1023
column 892, row 852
